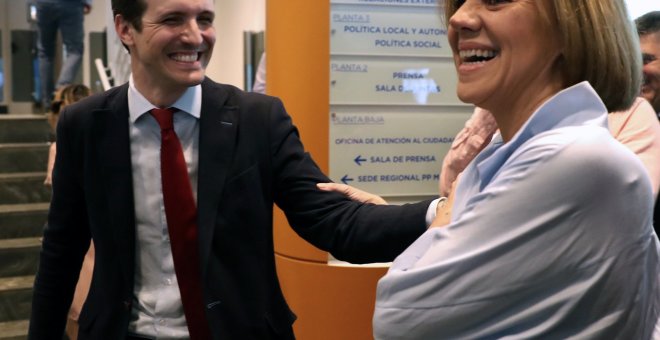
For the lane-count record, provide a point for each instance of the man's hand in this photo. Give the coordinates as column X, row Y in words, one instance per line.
column 352, row 193
column 443, row 210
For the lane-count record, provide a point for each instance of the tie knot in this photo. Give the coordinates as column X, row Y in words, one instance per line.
column 164, row 117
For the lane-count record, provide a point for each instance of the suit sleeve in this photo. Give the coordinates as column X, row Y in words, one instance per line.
column 354, row 232
column 66, row 238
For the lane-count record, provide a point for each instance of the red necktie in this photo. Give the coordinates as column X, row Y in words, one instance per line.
column 181, row 213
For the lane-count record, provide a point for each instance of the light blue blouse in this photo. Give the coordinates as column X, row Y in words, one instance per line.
column 551, row 237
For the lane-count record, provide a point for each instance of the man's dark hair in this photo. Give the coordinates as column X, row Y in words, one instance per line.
column 648, row 23
column 130, row 10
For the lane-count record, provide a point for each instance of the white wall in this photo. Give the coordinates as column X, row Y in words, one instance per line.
column 640, row 7
column 233, row 17
column 95, row 21
column 17, row 14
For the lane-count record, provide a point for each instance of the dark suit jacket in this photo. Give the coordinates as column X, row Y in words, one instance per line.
column 250, row 156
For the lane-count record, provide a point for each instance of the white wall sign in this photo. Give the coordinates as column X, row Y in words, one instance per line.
column 387, row 31
column 402, row 82
column 393, row 106
column 411, row 3
column 395, row 153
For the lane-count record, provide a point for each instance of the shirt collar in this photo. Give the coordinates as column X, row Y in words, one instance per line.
column 574, row 106
column 189, row 102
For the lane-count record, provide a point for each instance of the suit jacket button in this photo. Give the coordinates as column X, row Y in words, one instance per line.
column 127, row 304
column 212, row 304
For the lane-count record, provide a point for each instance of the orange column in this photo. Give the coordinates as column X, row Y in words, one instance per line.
column 298, row 48
column 331, row 302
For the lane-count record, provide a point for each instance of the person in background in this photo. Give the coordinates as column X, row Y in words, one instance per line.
column 648, row 28
column 638, row 129
column 174, row 177
column 64, row 97
column 65, row 16
column 475, row 135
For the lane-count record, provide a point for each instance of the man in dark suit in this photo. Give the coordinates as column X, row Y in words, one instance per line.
column 240, row 154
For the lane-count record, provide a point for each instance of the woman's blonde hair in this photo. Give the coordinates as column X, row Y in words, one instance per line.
column 65, row 96
column 599, row 45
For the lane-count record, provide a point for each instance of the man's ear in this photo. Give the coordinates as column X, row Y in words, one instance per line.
column 124, row 30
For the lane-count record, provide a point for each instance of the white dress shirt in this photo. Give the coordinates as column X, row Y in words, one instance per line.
column 551, row 238
column 157, row 309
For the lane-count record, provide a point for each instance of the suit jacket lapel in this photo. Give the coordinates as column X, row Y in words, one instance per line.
column 111, row 129
column 217, row 139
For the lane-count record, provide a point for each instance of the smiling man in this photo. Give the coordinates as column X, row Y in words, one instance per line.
column 174, row 177
column 648, row 28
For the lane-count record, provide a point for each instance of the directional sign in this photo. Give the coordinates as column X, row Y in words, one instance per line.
column 402, row 82
column 358, row 160
column 393, row 105
column 400, row 3
column 396, row 153
column 387, row 30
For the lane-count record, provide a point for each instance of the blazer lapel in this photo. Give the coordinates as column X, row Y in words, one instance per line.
column 217, row 139
column 111, row 129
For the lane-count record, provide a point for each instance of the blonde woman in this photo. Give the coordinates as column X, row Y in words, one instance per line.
column 65, row 96
column 550, row 234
